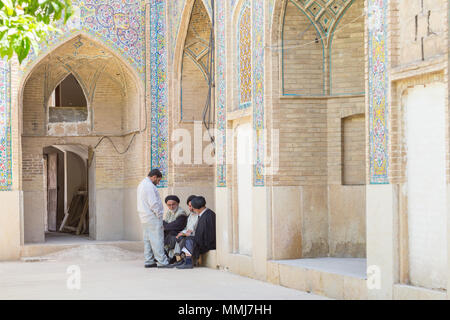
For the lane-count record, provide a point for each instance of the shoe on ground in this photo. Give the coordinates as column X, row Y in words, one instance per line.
column 152, row 265
column 166, row 266
column 186, row 265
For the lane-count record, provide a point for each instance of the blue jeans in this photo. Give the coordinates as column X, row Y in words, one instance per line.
column 154, row 242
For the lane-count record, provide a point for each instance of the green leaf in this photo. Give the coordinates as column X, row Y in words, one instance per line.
column 26, row 23
column 8, row 4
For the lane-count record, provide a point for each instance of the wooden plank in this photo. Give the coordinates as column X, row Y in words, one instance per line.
column 74, row 215
column 52, row 191
column 66, row 216
column 83, row 215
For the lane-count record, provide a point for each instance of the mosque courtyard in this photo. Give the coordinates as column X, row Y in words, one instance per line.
column 117, row 274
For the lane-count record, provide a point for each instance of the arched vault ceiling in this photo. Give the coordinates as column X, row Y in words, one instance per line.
column 197, row 38
column 324, row 14
column 81, row 55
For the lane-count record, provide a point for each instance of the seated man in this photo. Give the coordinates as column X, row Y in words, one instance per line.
column 205, row 234
column 188, row 231
column 174, row 221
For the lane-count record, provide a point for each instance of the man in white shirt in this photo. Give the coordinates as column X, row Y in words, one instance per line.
column 151, row 211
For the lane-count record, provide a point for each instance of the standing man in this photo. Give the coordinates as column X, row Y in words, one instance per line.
column 151, row 211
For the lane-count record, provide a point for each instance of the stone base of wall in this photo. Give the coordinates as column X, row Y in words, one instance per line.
column 10, row 225
column 337, row 284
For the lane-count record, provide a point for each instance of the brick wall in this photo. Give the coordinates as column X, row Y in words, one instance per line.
column 303, row 141
column 353, row 150
column 347, row 52
column 302, row 55
column 340, row 108
column 421, row 25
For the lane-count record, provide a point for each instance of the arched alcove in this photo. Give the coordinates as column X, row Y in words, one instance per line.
column 67, row 103
column 322, row 142
column 191, row 162
column 112, row 133
column 195, row 65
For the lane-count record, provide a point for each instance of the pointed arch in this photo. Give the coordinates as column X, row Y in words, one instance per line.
column 77, row 86
column 302, row 53
column 81, row 53
column 190, row 54
column 68, row 95
column 32, row 64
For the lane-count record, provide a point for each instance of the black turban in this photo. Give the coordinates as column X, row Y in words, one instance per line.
column 198, row 202
column 189, row 199
column 174, row 198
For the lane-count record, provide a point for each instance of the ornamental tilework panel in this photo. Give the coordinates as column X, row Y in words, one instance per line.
column 159, row 88
column 258, row 92
column 176, row 9
column 5, row 127
column 378, row 91
column 245, row 57
column 118, row 24
column 221, row 93
column 324, row 13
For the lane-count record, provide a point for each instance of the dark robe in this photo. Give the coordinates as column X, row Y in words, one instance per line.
column 172, row 229
column 205, row 235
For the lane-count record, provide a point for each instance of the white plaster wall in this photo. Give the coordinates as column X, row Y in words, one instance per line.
column 286, row 224
column 223, row 224
column 34, row 216
column 244, row 185
column 380, row 240
column 10, row 225
column 184, row 192
column 132, row 228
column 109, row 214
column 426, row 186
column 261, row 233
column 347, row 221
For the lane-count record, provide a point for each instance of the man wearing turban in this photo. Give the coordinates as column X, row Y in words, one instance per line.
column 174, row 221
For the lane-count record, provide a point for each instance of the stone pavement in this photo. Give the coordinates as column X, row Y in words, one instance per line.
column 129, row 280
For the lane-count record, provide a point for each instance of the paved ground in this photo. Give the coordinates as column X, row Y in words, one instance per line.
column 129, row 280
